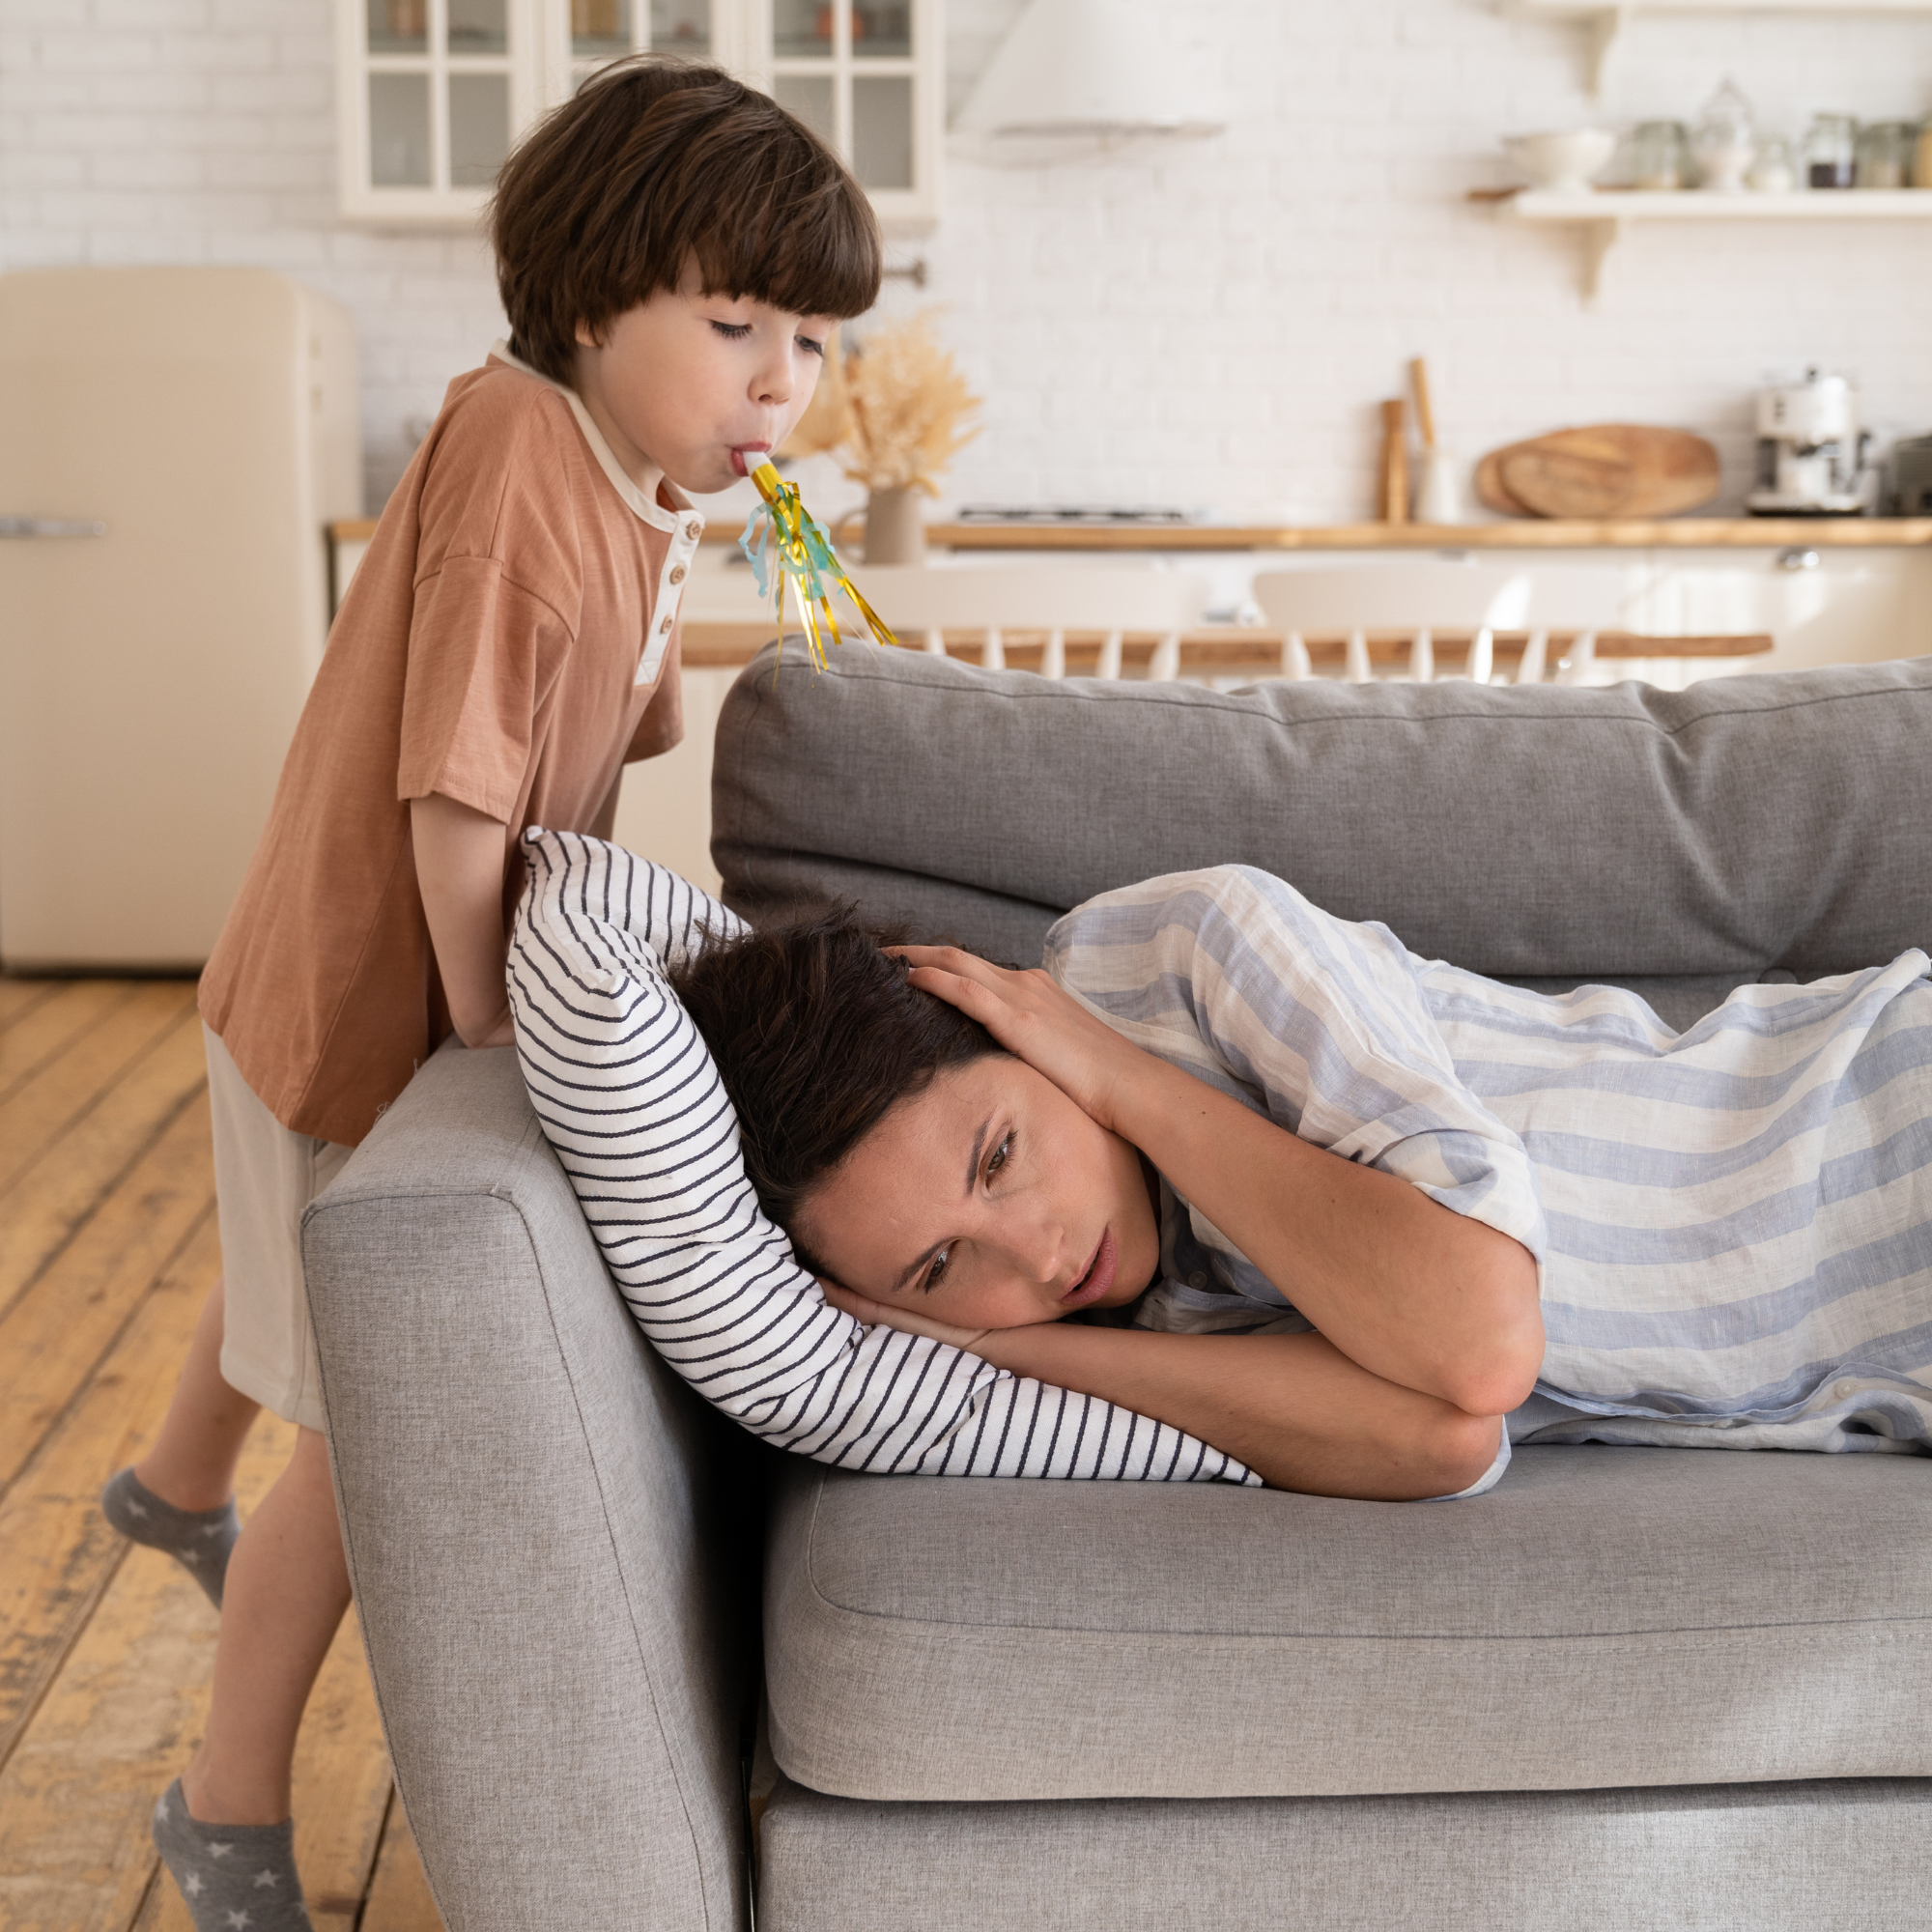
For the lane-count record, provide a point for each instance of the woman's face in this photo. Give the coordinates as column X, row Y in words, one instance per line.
column 989, row 1200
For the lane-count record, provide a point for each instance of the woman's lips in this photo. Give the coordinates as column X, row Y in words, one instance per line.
column 1094, row 1284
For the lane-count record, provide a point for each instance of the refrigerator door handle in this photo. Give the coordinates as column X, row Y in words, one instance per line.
column 49, row 527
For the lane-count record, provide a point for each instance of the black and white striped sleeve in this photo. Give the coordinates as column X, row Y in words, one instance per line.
column 629, row 1099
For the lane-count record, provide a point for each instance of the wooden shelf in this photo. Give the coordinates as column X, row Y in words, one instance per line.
column 1521, row 533
column 1604, row 213
column 1607, row 19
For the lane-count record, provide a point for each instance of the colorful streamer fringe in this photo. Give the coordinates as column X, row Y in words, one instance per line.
column 787, row 545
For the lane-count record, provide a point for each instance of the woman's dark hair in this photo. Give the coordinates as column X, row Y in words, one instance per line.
column 817, row 1032
column 653, row 161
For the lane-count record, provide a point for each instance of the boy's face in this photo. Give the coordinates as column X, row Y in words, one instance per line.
column 685, row 379
column 988, row 1200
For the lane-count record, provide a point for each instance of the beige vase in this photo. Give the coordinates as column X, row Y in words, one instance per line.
column 894, row 527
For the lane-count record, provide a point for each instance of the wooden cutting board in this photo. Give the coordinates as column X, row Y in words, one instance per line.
column 1604, row 470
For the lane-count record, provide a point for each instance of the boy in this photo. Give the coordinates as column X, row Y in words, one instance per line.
column 672, row 250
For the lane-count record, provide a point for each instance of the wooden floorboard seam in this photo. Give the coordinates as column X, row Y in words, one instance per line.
column 108, row 1192
column 42, row 994
column 82, row 1384
column 109, row 1087
column 34, row 1069
column 23, row 1721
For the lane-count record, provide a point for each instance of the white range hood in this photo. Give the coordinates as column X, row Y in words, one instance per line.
column 1079, row 76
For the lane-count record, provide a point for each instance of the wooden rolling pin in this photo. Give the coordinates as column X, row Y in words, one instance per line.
column 1395, row 464
column 1425, row 413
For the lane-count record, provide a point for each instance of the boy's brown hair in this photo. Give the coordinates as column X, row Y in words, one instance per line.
column 655, row 160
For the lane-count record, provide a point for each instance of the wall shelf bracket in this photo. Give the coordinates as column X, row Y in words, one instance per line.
column 1600, row 237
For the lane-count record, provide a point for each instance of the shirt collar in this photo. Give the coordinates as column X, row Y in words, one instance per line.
column 643, row 502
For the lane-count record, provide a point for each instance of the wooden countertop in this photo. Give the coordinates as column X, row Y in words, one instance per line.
column 1521, row 533
column 1228, row 650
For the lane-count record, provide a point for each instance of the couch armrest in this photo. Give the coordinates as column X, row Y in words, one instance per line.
column 539, row 1526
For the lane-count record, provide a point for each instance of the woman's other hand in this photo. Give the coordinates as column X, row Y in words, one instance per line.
column 1036, row 1021
column 884, row 1315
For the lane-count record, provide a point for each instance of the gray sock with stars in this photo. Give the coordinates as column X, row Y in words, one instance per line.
column 236, row 1878
column 198, row 1540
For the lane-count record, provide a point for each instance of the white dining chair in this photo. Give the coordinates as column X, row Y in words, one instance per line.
column 923, row 602
column 1415, row 599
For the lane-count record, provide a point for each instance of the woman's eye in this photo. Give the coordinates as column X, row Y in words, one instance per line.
column 1001, row 1154
column 937, row 1270
column 733, row 331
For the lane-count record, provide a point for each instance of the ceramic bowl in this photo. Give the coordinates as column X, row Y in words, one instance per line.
column 1562, row 163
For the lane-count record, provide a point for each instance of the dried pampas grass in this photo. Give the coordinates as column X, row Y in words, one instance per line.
column 895, row 411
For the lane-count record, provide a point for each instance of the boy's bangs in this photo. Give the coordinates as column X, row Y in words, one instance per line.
column 811, row 247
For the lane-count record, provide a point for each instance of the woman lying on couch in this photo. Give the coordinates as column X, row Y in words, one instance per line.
column 1345, row 1213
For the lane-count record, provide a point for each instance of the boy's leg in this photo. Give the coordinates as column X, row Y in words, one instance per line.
column 223, row 1828
column 179, row 1497
column 288, row 1586
column 192, row 1463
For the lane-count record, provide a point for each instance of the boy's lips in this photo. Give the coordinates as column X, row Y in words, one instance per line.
column 745, row 450
column 1100, row 1276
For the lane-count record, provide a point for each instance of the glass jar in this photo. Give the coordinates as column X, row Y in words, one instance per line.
column 1725, row 141
column 1884, row 154
column 1775, row 171
column 1830, row 151
column 1661, row 156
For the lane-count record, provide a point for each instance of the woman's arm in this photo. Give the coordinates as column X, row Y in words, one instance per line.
column 1292, row 1407
column 1412, row 1292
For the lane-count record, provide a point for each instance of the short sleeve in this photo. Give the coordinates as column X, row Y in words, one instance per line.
column 498, row 597
column 482, row 652
column 1320, row 1021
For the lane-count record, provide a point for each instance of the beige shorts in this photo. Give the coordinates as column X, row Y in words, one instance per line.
column 264, row 1175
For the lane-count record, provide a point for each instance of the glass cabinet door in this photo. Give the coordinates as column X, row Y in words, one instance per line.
column 865, row 74
column 433, row 93
column 607, row 30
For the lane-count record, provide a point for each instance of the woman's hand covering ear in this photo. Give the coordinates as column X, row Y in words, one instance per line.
column 1035, row 1020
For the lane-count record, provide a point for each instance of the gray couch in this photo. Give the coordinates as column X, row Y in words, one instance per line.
column 1632, row 1688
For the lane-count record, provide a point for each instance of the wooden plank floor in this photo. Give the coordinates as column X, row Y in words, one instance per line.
column 107, row 1248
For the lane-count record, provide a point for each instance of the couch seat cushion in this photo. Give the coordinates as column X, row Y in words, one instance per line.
column 1606, row 1616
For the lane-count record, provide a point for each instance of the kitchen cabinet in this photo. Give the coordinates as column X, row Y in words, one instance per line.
column 434, row 94
column 430, row 96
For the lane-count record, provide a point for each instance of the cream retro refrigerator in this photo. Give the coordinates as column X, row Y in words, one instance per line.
column 173, row 443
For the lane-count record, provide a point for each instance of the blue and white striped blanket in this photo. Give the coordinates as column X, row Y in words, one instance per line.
column 1734, row 1224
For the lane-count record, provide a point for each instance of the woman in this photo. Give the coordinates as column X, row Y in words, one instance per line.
column 1366, row 1218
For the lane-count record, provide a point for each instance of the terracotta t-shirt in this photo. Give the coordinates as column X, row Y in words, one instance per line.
column 509, row 640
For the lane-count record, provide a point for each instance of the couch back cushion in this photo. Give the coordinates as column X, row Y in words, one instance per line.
column 1770, row 823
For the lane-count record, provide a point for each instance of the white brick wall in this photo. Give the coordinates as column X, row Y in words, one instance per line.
column 1211, row 326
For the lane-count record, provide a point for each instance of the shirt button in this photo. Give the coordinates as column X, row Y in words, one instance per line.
column 669, row 622
column 677, row 573
column 693, row 530
column 1844, row 1391
column 1197, row 1279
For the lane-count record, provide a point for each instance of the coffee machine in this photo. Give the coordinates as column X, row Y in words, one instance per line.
column 1810, row 450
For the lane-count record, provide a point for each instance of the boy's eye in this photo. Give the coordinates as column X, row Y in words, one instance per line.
column 733, row 331
column 937, row 1270
column 810, row 347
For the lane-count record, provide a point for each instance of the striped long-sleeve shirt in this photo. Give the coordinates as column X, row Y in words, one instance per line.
column 629, row 1099
column 1733, row 1224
